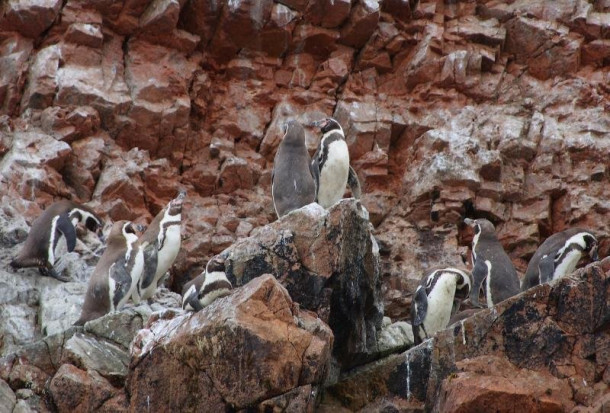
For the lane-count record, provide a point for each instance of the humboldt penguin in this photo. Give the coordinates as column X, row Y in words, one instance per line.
column 558, row 256
column 207, row 286
column 59, row 219
column 293, row 181
column 332, row 162
column 490, row 264
column 116, row 274
column 433, row 301
column 161, row 243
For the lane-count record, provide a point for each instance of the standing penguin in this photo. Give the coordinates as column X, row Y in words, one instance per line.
column 59, row 219
column 161, row 244
column 490, row 264
column 433, row 300
column 558, row 256
column 207, row 286
column 293, row 183
column 332, row 162
column 116, row 274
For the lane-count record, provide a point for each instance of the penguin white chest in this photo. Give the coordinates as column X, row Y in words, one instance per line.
column 333, row 174
column 169, row 252
column 440, row 303
column 568, row 264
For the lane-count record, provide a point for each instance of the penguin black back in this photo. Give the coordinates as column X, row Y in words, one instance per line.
column 491, row 264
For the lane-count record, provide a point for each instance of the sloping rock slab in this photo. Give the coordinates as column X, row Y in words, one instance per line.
column 241, row 350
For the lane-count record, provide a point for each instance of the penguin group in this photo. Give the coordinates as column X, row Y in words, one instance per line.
column 436, row 301
column 298, row 180
column 135, row 261
column 131, row 266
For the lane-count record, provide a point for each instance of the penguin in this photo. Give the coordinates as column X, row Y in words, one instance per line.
column 293, row 180
column 558, row 256
column 490, row 264
column 161, row 244
column 207, row 286
column 332, row 162
column 433, row 301
column 59, row 219
column 116, row 274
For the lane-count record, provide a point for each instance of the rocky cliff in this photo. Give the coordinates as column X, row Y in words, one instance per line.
column 476, row 108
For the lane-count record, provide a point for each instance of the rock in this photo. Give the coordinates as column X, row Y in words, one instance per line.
column 60, row 307
column 29, row 377
column 41, row 84
column 83, row 168
column 488, row 382
column 77, row 390
column 70, row 124
column 175, row 354
column 327, row 13
column 7, row 397
column 362, row 22
column 29, row 19
column 88, row 352
column 328, row 261
column 314, row 40
column 15, row 52
column 235, row 173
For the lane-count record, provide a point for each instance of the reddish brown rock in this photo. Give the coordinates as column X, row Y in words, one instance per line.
column 194, row 351
column 29, row 19
column 14, row 55
column 75, row 390
column 492, row 383
column 327, row 13
column 362, row 22
column 28, row 376
column 70, row 124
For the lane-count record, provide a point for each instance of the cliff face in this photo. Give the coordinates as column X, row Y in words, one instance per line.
column 478, row 108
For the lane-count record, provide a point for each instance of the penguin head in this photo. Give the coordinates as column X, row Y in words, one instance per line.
column 591, row 246
column 294, row 134
column 464, row 283
column 480, row 225
column 175, row 205
column 216, row 264
column 328, row 124
column 120, row 232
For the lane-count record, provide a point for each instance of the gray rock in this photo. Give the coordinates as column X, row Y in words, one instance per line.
column 7, row 398
column 395, row 337
column 120, row 327
column 60, row 306
column 89, row 352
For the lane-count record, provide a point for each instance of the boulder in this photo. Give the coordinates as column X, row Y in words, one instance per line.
column 328, row 262
column 258, row 328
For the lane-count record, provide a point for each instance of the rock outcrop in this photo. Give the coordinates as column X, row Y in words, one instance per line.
column 484, row 109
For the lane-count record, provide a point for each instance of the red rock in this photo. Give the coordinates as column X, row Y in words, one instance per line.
column 362, row 22
column 28, row 376
column 200, row 17
column 85, row 34
column 235, row 173
column 75, row 390
column 399, row 9
column 259, row 315
column 490, row 383
column 15, row 52
column 84, row 166
column 69, row 123
column 314, row 40
column 276, row 37
column 327, row 13
column 42, row 79
column 29, row 19
column 160, row 15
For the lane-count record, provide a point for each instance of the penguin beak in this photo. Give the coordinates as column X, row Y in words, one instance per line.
column 469, row 222
column 181, row 193
column 320, row 123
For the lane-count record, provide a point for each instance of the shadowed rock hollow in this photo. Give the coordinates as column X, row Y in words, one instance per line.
column 481, row 108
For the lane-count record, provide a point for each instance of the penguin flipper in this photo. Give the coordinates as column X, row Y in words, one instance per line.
column 314, row 168
column 479, row 273
column 546, row 268
column 354, row 183
column 419, row 307
column 64, row 225
column 150, row 266
column 122, row 280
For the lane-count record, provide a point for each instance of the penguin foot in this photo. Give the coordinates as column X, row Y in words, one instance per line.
column 50, row 272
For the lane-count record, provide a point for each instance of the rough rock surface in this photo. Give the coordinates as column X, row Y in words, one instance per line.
column 242, row 349
column 492, row 109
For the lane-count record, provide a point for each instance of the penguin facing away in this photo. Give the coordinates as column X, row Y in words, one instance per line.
column 207, row 286
column 433, row 301
column 59, row 219
column 161, row 243
column 293, row 183
column 558, row 256
column 332, row 162
column 116, row 274
column 491, row 265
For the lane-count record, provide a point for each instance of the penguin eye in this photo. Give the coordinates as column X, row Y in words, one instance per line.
column 129, row 229
column 91, row 224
